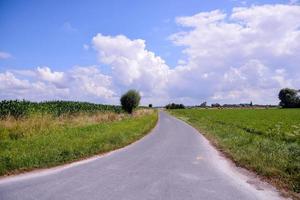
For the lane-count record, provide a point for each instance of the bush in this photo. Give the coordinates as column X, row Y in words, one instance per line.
column 289, row 98
column 130, row 100
column 215, row 105
column 174, row 106
column 150, row 105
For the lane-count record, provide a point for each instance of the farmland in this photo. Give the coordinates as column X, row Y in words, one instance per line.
column 40, row 135
column 18, row 109
column 266, row 141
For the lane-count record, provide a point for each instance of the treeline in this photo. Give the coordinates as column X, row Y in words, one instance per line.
column 217, row 105
column 17, row 109
column 240, row 105
column 174, row 106
column 289, row 98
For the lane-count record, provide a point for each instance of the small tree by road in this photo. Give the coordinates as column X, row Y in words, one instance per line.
column 289, row 98
column 130, row 100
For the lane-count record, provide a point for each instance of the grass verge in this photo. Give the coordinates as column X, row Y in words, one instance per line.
column 265, row 141
column 42, row 141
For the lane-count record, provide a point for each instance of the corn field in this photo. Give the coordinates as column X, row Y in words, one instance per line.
column 18, row 109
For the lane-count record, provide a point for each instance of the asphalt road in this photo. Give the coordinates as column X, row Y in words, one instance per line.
column 172, row 162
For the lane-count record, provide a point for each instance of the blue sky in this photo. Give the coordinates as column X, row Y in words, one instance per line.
column 54, row 33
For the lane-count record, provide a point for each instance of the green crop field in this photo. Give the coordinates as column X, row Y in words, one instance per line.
column 39, row 135
column 18, row 109
column 264, row 140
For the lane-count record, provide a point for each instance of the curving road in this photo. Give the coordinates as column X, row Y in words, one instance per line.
column 172, row 162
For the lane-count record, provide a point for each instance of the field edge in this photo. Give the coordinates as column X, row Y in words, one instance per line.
column 15, row 173
column 214, row 142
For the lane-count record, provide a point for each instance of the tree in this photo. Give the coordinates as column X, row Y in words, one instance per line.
column 288, row 98
column 150, row 105
column 130, row 100
column 215, row 105
column 203, row 105
column 175, row 106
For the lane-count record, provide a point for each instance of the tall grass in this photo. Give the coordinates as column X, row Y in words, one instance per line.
column 43, row 140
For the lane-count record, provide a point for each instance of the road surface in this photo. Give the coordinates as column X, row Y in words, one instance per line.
column 173, row 162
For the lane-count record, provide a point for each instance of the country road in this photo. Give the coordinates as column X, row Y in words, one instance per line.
column 173, row 162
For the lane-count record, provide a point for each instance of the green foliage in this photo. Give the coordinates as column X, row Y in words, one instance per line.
column 62, row 142
column 23, row 108
column 14, row 108
column 203, row 105
column 288, row 98
column 265, row 140
column 215, row 105
column 130, row 100
column 175, row 106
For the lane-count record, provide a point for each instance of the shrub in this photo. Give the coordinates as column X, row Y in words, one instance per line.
column 130, row 100
column 289, row 98
column 174, row 106
column 215, row 105
column 150, row 105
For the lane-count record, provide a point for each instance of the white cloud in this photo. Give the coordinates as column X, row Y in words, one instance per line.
column 92, row 81
column 12, row 87
column 242, row 56
column 9, row 81
column 46, row 74
column 132, row 65
column 4, row 55
column 79, row 83
column 251, row 82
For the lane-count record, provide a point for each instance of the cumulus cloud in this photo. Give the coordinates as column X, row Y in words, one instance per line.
column 132, row 65
column 46, row 74
column 12, row 87
column 42, row 83
column 245, row 55
column 249, row 48
column 92, row 81
column 252, row 82
column 9, row 81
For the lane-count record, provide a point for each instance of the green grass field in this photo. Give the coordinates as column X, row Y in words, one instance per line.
column 264, row 140
column 41, row 141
